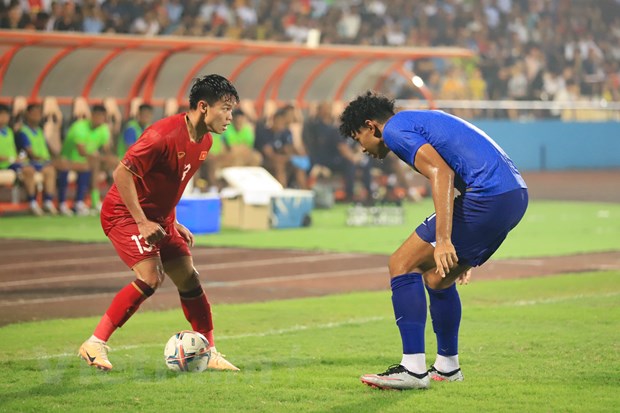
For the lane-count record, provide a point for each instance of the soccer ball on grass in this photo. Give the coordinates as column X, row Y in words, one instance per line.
column 187, row 351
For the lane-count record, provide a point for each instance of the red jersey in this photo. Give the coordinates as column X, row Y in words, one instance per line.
column 163, row 161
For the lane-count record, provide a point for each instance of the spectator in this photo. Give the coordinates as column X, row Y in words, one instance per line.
column 30, row 140
column 9, row 159
column 70, row 20
column 93, row 20
column 239, row 139
column 134, row 129
column 331, row 153
column 545, row 35
column 15, row 17
column 85, row 147
column 235, row 147
column 276, row 147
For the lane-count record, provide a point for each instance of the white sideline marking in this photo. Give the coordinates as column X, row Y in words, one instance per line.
column 204, row 267
column 92, row 260
column 208, row 285
column 353, row 321
column 267, row 333
column 524, row 303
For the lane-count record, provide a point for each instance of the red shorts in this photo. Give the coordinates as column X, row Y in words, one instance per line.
column 132, row 248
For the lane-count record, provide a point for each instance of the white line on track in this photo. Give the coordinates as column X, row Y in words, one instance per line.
column 208, row 285
column 300, row 277
column 536, row 263
column 95, row 260
column 52, row 248
column 203, row 267
column 73, row 247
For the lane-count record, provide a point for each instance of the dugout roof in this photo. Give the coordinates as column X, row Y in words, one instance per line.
column 36, row 65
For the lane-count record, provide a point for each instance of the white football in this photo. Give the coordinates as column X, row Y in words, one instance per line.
column 187, row 351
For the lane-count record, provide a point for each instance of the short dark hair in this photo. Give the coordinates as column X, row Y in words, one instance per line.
column 99, row 108
column 370, row 105
column 34, row 105
column 145, row 106
column 4, row 108
column 238, row 112
column 212, row 88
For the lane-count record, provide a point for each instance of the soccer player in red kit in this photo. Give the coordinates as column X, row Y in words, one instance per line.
column 138, row 215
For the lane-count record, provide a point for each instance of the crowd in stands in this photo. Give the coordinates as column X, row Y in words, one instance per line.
column 528, row 49
column 300, row 149
column 549, row 50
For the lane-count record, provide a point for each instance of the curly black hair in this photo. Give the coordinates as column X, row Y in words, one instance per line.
column 212, row 88
column 370, row 105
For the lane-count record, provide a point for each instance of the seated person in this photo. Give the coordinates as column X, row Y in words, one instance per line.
column 234, row 147
column 218, row 158
column 10, row 160
column 134, row 129
column 328, row 149
column 239, row 139
column 85, row 148
column 30, row 140
column 279, row 155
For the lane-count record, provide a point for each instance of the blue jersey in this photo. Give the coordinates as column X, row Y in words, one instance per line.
column 481, row 167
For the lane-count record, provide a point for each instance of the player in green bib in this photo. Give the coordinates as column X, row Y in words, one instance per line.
column 86, row 146
column 235, row 147
column 134, row 129
column 31, row 140
column 9, row 158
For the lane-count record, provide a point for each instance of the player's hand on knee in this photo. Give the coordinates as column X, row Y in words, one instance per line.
column 465, row 277
column 185, row 233
column 445, row 257
column 152, row 232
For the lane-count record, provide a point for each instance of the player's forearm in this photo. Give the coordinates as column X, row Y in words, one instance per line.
column 442, row 183
column 127, row 190
column 82, row 150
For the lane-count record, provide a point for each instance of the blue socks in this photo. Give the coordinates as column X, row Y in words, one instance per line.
column 83, row 184
column 409, row 301
column 445, row 307
column 62, row 181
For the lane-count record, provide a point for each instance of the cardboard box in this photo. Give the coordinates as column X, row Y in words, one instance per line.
column 237, row 214
column 255, row 200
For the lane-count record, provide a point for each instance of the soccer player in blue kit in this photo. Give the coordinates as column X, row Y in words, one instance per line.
column 464, row 231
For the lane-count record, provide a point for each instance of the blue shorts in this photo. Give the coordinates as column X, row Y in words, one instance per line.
column 480, row 224
column 38, row 166
column 16, row 166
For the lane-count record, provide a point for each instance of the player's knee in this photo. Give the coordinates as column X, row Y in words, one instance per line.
column 154, row 279
column 191, row 281
column 28, row 172
column 433, row 280
column 396, row 266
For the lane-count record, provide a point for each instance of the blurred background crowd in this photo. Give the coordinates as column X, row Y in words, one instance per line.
column 540, row 50
column 528, row 49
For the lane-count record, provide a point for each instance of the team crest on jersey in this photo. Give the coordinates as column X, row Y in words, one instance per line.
column 180, row 154
column 203, row 156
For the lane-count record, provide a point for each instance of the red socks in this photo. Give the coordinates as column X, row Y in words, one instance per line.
column 124, row 304
column 195, row 305
column 197, row 311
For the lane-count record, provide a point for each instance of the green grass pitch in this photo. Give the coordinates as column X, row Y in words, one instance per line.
column 531, row 345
